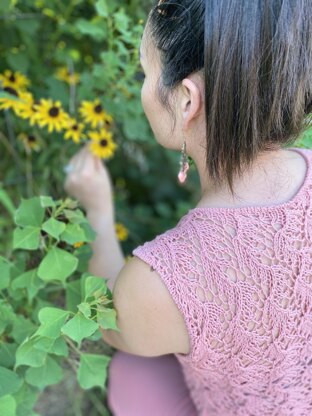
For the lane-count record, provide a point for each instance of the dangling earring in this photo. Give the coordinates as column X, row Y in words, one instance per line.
column 184, row 165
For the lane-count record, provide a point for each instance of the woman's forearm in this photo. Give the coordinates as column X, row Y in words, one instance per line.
column 107, row 259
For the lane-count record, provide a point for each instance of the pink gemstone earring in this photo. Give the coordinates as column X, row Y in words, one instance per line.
column 184, row 165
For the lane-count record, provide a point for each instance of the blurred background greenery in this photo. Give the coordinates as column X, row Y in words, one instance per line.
column 98, row 41
column 74, row 51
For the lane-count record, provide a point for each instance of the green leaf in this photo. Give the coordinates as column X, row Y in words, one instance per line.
column 101, row 8
column 79, row 328
column 27, row 238
column 107, row 319
column 26, row 354
column 94, row 286
column 85, row 309
column 26, row 398
column 92, row 371
column 48, row 374
column 22, row 328
column 73, row 234
column 6, row 201
column 96, row 31
column 30, row 282
column 5, row 267
column 51, row 346
column 90, row 234
column 29, row 213
column 6, row 316
column 19, row 61
column 47, row 202
column 60, row 347
column 7, row 354
column 6, row 5
column 10, row 382
column 57, row 265
column 7, row 406
column 75, row 217
column 73, row 295
column 53, row 227
column 52, row 320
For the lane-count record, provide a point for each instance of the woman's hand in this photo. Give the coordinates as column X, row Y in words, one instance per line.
column 89, row 182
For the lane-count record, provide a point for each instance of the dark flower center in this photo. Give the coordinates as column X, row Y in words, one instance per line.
column 34, row 109
column 98, row 108
column 103, row 142
column 54, row 111
column 31, row 139
column 12, row 78
column 75, row 127
column 11, row 91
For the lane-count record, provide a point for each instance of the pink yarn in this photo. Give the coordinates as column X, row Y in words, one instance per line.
column 242, row 280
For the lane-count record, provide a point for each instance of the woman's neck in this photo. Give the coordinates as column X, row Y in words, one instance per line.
column 274, row 178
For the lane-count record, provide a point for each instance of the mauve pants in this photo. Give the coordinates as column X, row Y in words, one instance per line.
column 144, row 386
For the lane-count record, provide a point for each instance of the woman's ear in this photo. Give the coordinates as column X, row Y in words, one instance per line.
column 191, row 101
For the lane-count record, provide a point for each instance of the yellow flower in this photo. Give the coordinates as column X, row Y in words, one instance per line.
column 94, row 114
column 121, row 231
column 102, row 144
column 74, row 131
column 63, row 74
column 51, row 115
column 14, row 80
column 13, row 99
column 30, row 142
column 26, row 109
column 78, row 244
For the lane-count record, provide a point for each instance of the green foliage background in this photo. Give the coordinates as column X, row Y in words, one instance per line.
column 100, row 40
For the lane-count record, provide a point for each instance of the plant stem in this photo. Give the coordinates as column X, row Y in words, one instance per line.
column 29, row 176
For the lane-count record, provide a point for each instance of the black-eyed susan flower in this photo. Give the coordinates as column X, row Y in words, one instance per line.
column 14, row 80
column 30, row 142
column 94, row 114
column 13, row 99
column 74, row 131
column 50, row 114
column 121, row 231
column 26, row 109
column 102, row 144
column 63, row 74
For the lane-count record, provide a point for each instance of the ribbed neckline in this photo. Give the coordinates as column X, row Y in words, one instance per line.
column 249, row 209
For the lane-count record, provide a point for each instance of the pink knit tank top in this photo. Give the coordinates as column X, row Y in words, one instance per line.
column 242, row 280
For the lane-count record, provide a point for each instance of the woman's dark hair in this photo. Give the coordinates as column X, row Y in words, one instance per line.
column 256, row 60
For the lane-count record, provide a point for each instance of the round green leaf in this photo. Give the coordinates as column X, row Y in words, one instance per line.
column 7, row 406
column 26, row 354
column 46, row 375
column 5, row 267
column 10, row 382
column 30, row 282
column 92, row 371
column 79, row 328
column 52, row 320
column 29, row 213
column 107, row 319
column 53, row 227
column 73, row 234
column 27, row 238
column 57, row 265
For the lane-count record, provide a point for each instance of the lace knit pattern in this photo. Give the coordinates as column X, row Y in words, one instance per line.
column 242, row 280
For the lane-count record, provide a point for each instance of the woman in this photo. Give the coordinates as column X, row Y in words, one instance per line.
column 215, row 313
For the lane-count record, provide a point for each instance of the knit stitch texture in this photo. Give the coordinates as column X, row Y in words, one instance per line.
column 242, row 280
